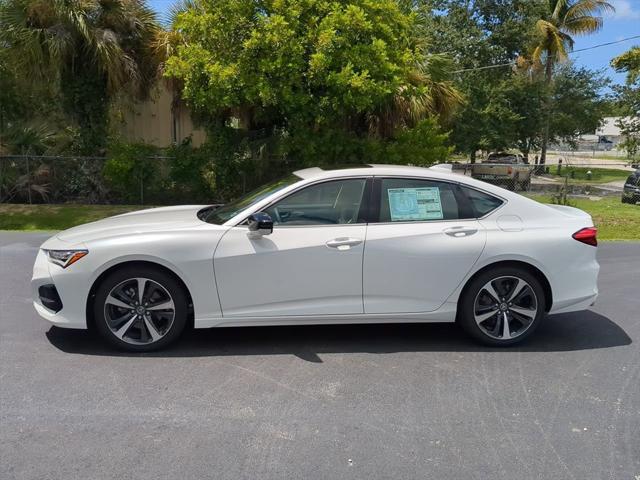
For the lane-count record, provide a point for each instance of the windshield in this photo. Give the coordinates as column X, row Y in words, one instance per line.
column 219, row 215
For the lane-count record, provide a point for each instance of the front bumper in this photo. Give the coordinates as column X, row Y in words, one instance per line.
column 71, row 291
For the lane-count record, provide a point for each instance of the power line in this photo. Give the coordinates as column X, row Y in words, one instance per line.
column 512, row 63
column 604, row 44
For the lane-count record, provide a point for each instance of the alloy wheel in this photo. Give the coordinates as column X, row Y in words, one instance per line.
column 505, row 307
column 139, row 311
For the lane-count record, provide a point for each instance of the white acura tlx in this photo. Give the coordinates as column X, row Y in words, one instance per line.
column 371, row 244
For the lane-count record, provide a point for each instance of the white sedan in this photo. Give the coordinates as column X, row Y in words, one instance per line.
column 372, row 244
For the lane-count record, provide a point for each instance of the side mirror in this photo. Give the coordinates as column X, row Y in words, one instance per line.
column 260, row 224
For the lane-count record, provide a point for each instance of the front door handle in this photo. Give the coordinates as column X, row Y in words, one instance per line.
column 460, row 231
column 343, row 243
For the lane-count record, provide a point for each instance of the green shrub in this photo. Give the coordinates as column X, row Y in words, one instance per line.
column 134, row 173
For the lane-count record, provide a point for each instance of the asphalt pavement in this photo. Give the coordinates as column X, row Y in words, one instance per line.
column 324, row 402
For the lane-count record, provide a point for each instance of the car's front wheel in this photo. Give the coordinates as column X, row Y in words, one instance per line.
column 140, row 308
column 502, row 306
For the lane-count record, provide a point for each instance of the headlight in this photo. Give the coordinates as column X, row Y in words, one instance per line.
column 64, row 258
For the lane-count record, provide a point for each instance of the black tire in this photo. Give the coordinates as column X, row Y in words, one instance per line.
column 625, row 200
column 157, row 276
column 526, row 185
column 467, row 306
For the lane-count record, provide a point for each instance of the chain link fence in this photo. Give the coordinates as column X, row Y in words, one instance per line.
column 31, row 179
column 151, row 180
column 558, row 178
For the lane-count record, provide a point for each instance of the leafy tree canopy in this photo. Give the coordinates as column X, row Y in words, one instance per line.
column 628, row 99
column 312, row 63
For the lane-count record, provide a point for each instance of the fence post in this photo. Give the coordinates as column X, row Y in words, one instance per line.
column 28, row 181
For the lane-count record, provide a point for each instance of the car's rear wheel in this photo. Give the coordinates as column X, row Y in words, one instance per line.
column 140, row 309
column 502, row 306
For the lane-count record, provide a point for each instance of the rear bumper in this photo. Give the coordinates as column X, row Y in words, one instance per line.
column 581, row 304
column 576, row 288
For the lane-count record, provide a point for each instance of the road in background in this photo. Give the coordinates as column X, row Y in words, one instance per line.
column 401, row 401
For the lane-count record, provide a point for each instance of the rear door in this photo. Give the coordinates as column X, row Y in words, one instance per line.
column 424, row 243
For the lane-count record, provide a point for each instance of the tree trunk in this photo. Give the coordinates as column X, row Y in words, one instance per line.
column 548, row 72
column 472, row 157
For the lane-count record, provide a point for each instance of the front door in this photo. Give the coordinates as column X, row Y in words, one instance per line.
column 310, row 265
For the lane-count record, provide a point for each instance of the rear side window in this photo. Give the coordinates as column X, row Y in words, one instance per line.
column 416, row 200
column 482, row 203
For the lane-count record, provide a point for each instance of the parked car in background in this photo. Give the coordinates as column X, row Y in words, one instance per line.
column 508, row 170
column 631, row 191
column 376, row 244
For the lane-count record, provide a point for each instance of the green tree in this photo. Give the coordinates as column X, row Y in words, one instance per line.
column 91, row 50
column 577, row 106
column 554, row 40
column 629, row 62
column 481, row 34
column 354, row 72
column 30, row 116
column 628, row 99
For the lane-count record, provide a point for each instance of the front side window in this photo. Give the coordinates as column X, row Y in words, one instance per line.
column 416, row 200
column 336, row 202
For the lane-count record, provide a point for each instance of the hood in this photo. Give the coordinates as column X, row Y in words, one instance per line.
column 143, row 221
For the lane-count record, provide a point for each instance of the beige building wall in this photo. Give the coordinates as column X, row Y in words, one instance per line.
column 158, row 122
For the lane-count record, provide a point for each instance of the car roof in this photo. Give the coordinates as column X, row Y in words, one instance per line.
column 436, row 172
column 373, row 170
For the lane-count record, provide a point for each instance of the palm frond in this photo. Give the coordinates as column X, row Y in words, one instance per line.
column 584, row 8
column 180, row 6
column 558, row 8
column 583, row 25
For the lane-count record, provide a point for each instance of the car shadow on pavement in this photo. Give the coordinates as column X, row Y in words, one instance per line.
column 564, row 332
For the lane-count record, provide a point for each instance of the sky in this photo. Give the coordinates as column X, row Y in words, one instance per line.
column 622, row 24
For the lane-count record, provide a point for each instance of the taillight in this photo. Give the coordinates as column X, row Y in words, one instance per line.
column 509, row 170
column 587, row 235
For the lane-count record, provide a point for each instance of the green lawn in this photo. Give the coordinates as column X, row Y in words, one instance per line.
column 55, row 217
column 598, row 175
column 615, row 220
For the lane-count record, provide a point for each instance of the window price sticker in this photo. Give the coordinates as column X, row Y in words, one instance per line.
column 407, row 204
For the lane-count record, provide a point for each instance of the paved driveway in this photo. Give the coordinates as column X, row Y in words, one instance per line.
column 404, row 401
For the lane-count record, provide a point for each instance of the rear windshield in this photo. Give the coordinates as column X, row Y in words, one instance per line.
column 502, row 159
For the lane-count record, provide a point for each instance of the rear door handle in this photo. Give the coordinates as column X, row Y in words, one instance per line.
column 460, row 231
column 343, row 243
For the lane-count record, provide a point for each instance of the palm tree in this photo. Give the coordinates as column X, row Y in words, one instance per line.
column 92, row 49
column 628, row 62
column 428, row 91
column 554, row 32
